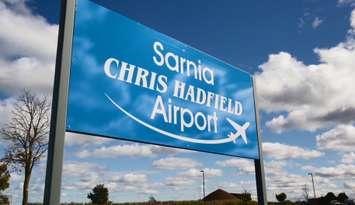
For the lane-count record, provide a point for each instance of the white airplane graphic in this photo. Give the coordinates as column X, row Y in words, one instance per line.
column 240, row 131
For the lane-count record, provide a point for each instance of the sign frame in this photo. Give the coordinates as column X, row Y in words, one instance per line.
column 59, row 114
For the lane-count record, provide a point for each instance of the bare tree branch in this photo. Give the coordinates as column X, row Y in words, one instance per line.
column 26, row 135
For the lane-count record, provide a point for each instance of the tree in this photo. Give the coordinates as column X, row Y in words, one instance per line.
column 342, row 197
column 99, row 195
column 281, row 197
column 4, row 183
column 4, row 177
column 26, row 135
column 305, row 192
column 152, row 199
column 245, row 196
column 330, row 196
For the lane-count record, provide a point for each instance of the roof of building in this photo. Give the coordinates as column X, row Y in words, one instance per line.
column 219, row 194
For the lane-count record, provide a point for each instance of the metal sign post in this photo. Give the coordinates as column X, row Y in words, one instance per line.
column 259, row 163
column 59, row 105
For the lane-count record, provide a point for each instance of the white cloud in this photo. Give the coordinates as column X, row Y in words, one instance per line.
column 27, row 48
column 117, row 150
column 133, row 182
column 286, row 182
column 18, row 6
column 316, row 22
column 127, row 149
column 5, row 110
column 24, row 34
column 312, row 96
column 80, row 168
column 190, row 176
column 348, row 158
column 342, row 170
column 83, row 176
column 168, row 150
column 339, row 171
column 277, row 124
column 146, row 189
column 185, row 179
column 340, row 138
column 178, row 182
column 131, row 178
column 243, row 165
column 72, row 139
column 274, row 167
column 209, row 172
column 240, row 186
column 26, row 72
column 349, row 185
column 175, row 163
column 283, row 151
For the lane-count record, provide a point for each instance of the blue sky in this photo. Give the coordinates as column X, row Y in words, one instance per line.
column 302, row 54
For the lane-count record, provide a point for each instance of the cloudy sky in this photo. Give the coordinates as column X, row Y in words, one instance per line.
column 302, row 54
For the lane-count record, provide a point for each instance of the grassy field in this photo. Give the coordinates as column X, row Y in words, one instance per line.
column 219, row 202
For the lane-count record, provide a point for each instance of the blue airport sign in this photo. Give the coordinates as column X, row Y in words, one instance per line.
column 130, row 82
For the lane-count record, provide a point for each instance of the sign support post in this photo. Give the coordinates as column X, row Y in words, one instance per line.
column 258, row 163
column 59, row 105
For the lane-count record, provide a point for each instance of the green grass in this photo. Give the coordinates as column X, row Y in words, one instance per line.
column 219, row 202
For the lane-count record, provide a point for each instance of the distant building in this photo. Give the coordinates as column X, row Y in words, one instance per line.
column 220, row 194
